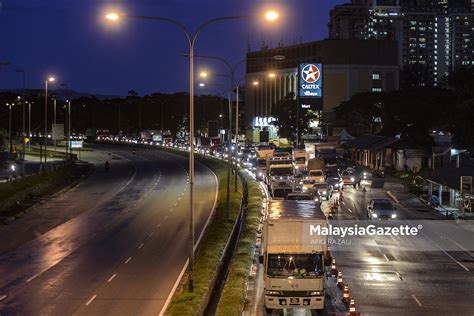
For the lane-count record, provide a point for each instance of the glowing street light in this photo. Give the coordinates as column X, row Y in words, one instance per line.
column 271, row 15
column 202, row 84
column 203, row 74
column 271, row 75
column 255, row 83
column 49, row 79
column 112, row 16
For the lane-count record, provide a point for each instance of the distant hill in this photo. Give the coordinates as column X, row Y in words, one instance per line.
column 62, row 94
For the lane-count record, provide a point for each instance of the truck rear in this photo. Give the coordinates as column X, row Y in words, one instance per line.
column 293, row 256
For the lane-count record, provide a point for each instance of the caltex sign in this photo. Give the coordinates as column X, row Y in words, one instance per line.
column 311, row 80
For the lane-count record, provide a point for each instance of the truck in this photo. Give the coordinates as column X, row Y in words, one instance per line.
column 293, row 256
column 279, row 179
column 263, row 155
column 316, row 169
column 299, row 161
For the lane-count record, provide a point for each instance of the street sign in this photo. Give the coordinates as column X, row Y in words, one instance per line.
column 157, row 138
column 311, row 80
column 58, row 131
column 76, row 144
column 466, row 184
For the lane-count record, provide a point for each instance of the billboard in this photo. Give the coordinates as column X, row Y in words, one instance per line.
column 311, row 80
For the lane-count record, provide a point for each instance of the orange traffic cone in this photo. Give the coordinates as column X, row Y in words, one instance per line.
column 333, row 267
column 346, row 297
column 340, row 284
column 352, row 309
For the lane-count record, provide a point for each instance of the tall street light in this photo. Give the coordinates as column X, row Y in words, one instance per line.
column 49, row 79
column 191, row 38
column 23, row 130
column 9, row 105
column 272, row 15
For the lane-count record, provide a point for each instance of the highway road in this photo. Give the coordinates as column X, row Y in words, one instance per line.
column 114, row 245
column 389, row 276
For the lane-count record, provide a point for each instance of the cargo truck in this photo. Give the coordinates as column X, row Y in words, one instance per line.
column 293, row 256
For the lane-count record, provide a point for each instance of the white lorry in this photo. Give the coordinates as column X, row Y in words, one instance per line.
column 293, row 256
column 299, row 161
column 264, row 154
column 279, row 179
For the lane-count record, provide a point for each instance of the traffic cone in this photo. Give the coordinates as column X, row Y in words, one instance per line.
column 340, row 284
column 346, row 297
column 352, row 309
column 333, row 267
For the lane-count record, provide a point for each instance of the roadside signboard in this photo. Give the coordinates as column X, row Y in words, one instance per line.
column 157, row 138
column 311, row 80
column 58, row 131
column 466, row 184
column 76, row 144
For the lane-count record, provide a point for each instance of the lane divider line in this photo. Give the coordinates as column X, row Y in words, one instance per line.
column 128, row 260
column 158, row 225
column 151, row 234
column 386, row 258
column 112, row 277
column 417, row 300
column 3, row 297
column 141, row 246
column 32, row 278
column 91, row 299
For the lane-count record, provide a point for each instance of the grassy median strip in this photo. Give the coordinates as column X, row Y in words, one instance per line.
column 233, row 296
column 36, row 186
column 211, row 247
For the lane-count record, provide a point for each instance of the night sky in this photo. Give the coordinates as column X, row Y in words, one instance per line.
column 70, row 39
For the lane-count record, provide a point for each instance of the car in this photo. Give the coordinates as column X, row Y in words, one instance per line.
column 348, row 177
column 334, row 179
column 308, row 184
column 324, row 189
column 317, row 175
column 381, row 209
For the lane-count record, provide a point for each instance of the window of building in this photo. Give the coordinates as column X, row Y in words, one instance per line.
column 375, row 76
column 376, row 89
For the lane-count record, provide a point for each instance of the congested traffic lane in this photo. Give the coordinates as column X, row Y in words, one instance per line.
column 128, row 253
column 385, row 276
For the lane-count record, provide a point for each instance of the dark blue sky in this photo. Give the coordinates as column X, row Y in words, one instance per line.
column 69, row 38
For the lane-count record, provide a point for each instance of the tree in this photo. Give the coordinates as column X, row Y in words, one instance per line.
column 416, row 76
column 284, row 112
column 461, row 82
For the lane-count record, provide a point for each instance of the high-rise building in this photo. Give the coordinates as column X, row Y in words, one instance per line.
column 436, row 33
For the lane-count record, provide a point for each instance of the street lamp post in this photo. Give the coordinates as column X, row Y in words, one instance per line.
column 191, row 38
column 9, row 129
column 22, row 71
column 50, row 79
column 29, row 125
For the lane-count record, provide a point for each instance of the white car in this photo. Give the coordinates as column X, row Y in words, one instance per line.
column 381, row 209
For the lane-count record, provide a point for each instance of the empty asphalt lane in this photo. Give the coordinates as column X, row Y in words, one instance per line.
column 138, row 232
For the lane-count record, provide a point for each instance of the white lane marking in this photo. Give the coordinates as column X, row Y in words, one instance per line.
column 141, row 245
column 32, row 278
column 158, row 225
column 128, row 260
column 171, row 210
column 452, row 258
column 91, row 299
column 175, row 204
column 179, row 199
column 349, row 210
column 166, row 216
column 151, row 234
column 3, row 297
column 386, row 258
column 93, row 235
column 399, row 276
column 417, row 300
column 344, row 203
column 178, row 280
column 182, row 194
column 112, row 277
